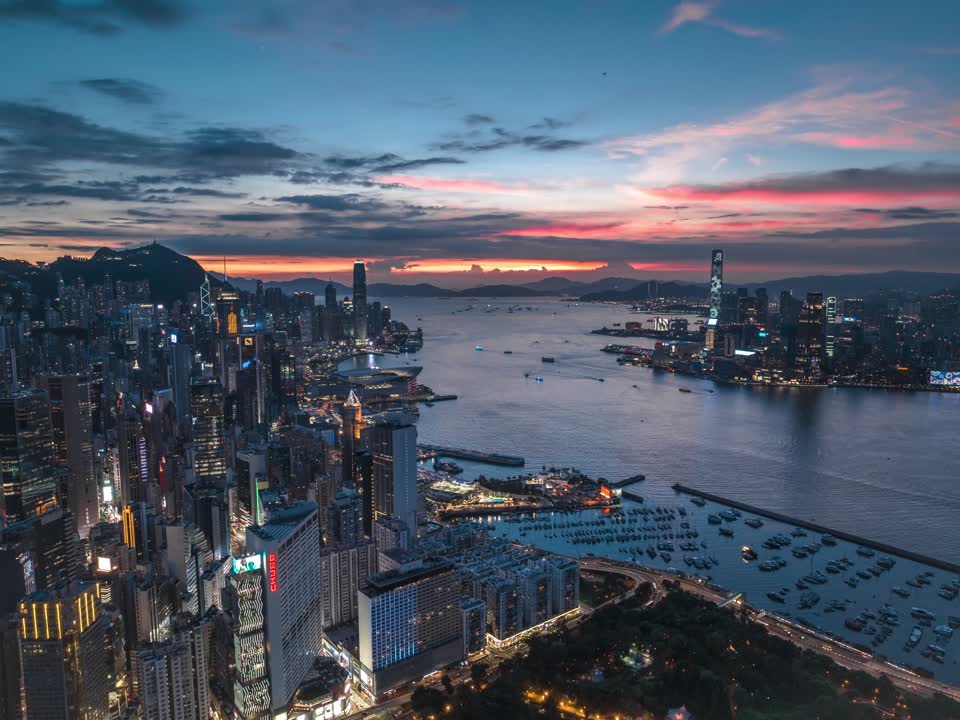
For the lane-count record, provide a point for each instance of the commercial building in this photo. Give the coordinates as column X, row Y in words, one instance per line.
column 27, row 469
column 716, row 287
column 71, row 418
column 64, row 636
column 393, row 444
column 409, row 625
column 209, row 444
column 810, row 361
column 360, row 301
column 289, row 543
column 352, row 416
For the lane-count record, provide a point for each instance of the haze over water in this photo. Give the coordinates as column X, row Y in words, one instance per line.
column 877, row 463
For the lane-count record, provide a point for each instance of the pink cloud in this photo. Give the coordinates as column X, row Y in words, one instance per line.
column 851, row 197
column 858, row 142
column 702, row 12
column 450, row 184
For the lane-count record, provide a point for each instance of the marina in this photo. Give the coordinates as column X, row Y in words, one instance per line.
column 860, row 592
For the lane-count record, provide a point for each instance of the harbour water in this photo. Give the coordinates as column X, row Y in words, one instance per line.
column 880, row 464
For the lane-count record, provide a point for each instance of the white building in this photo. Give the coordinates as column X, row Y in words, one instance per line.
column 172, row 676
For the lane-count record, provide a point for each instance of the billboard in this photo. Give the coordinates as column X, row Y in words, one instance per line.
column 661, row 324
column 950, row 378
column 247, row 564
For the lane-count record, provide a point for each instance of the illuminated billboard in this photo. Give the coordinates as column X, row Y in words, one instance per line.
column 950, row 378
column 247, row 564
column 661, row 324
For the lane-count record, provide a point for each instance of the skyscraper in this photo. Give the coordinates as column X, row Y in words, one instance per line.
column 289, row 543
column 63, row 636
column 27, row 468
column 210, row 456
column 831, row 324
column 359, row 301
column 810, row 360
column 393, row 444
column 716, row 287
column 352, row 416
column 71, row 416
column 330, row 297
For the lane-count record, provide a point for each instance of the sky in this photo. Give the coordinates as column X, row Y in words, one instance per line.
column 463, row 142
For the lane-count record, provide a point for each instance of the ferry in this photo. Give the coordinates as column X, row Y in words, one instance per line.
column 548, row 359
column 685, row 390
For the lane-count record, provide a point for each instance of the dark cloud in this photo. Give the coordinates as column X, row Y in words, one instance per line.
column 549, row 123
column 350, row 201
column 498, row 138
column 477, row 119
column 196, row 192
column 417, row 163
column 912, row 213
column 100, row 17
column 385, row 162
column 129, row 91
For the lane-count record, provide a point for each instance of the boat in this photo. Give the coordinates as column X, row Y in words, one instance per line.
column 863, row 575
column 539, row 378
column 776, row 597
column 854, row 624
column 801, row 585
column 478, row 348
column 508, row 352
column 748, row 553
column 886, row 563
column 919, row 612
column 915, row 636
column 953, row 621
column 685, row 390
column 548, row 359
column 698, row 501
column 865, row 552
column 714, row 519
column 943, row 631
column 726, row 532
column 828, row 540
column 754, row 523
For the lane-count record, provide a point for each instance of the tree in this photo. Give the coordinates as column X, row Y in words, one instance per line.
column 427, row 701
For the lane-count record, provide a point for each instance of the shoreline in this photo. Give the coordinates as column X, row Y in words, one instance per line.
column 815, row 527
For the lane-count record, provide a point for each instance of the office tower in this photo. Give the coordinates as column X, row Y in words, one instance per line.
column 352, row 416
column 9, row 667
column 39, row 554
column 409, row 625
column 393, row 444
column 763, row 305
column 27, row 468
column 240, row 667
column 209, row 443
column 172, row 675
column 63, row 636
column 359, row 301
column 810, row 362
column 330, row 297
column 343, row 571
column 289, row 542
column 716, row 287
column 831, row 310
column 181, row 367
column 71, row 417
column 853, row 307
column 250, row 473
column 363, row 463
column 228, row 313
column 207, row 508
column 344, row 518
column 390, row 534
column 473, row 620
column 789, row 324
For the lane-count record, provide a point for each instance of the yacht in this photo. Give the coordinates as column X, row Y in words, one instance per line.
column 828, row 540
column 754, row 523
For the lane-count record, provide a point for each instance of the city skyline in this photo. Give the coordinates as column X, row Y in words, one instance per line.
column 293, row 138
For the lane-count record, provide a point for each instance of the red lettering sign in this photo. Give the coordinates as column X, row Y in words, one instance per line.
column 272, row 571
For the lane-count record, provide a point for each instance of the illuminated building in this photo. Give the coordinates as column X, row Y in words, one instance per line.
column 352, row 415
column 63, row 639
column 172, row 675
column 132, row 456
column 228, row 313
column 27, row 469
column 810, row 361
column 240, row 665
column 289, row 543
column 473, row 618
column 209, row 449
column 831, row 310
column 409, row 624
column 359, row 301
column 71, row 417
column 393, row 444
column 716, row 287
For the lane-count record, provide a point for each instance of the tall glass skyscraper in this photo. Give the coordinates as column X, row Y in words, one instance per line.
column 359, row 301
column 27, row 454
column 716, row 287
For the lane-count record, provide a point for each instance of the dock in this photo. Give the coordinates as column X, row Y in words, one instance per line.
column 806, row 524
column 473, row 455
column 631, row 495
column 627, row 481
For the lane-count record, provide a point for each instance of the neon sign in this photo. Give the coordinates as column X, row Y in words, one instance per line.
column 272, row 571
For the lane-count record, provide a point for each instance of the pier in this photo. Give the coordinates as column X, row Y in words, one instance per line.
column 806, row 524
column 473, row 455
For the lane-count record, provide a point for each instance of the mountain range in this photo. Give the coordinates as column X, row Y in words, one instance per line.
column 173, row 275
